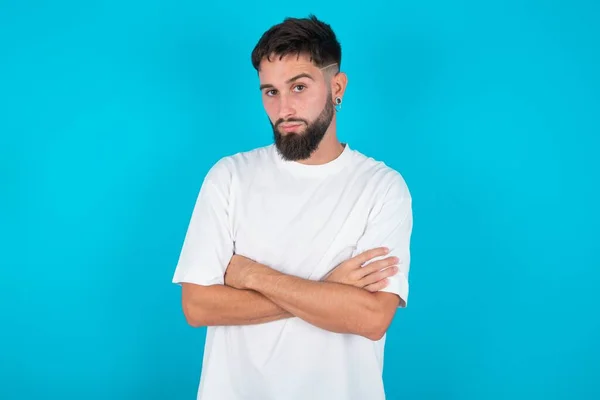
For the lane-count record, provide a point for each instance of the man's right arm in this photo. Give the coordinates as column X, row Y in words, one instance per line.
column 223, row 305
column 207, row 249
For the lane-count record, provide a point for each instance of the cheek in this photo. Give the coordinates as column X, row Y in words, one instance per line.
column 312, row 105
column 271, row 108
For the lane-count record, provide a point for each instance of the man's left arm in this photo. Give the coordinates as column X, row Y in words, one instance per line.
column 342, row 308
column 331, row 306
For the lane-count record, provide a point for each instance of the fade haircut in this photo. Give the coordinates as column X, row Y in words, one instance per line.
column 301, row 36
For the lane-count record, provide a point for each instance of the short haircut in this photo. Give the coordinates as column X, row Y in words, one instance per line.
column 301, row 36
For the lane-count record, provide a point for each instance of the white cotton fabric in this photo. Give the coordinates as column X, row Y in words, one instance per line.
column 302, row 220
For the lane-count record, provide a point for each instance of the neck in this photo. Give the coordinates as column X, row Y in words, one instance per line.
column 329, row 149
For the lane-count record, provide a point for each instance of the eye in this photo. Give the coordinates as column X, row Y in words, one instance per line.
column 300, row 87
column 271, row 93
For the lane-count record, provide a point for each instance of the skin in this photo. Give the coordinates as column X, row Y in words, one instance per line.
column 329, row 304
column 348, row 300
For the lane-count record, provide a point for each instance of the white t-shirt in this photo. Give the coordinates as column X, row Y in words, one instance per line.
column 302, row 220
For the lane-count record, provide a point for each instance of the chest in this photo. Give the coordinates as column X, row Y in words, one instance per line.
column 301, row 227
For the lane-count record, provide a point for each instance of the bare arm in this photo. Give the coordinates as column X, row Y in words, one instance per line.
column 332, row 306
column 342, row 303
column 224, row 305
column 232, row 304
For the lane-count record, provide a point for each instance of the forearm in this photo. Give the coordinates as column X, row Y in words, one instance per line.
column 331, row 306
column 224, row 305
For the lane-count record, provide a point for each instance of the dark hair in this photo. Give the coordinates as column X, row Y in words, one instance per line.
column 299, row 36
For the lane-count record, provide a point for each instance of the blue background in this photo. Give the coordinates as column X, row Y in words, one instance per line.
column 112, row 112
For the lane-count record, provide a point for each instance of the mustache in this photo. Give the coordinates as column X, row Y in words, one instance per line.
column 281, row 121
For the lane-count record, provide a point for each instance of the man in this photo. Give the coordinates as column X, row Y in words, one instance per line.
column 285, row 256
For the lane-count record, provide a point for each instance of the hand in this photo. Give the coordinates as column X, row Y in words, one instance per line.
column 372, row 277
column 238, row 271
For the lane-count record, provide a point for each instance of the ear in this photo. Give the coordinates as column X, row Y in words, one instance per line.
column 338, row 85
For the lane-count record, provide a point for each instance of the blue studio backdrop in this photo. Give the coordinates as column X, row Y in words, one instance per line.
column 112, row 112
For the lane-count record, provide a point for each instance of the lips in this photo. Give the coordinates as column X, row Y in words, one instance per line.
column 290, row 127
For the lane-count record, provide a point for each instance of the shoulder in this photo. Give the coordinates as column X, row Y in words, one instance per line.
column 384, row 178
column 234, row 164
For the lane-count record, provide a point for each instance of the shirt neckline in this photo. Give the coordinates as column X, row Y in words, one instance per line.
column 316, row 170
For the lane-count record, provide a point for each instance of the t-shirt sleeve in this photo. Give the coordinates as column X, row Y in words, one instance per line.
column 208, row 243
column 390, row 225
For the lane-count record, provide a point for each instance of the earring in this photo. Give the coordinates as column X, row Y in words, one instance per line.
column 338, row 103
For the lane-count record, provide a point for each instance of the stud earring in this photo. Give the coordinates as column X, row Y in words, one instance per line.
column 338, row 103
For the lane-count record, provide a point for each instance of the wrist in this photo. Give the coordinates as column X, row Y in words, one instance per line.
column 256, row 275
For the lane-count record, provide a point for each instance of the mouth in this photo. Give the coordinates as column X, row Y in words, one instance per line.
column 290, row 127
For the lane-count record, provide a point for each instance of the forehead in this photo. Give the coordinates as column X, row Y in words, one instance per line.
column 276, row 70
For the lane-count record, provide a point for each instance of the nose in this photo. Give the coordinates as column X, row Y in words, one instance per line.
column 286, row 107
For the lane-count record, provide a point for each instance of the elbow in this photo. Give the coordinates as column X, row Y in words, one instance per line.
column 380, row 315
column 375, row 334
column 377, row 327
column 193, row 315
column 195, row 305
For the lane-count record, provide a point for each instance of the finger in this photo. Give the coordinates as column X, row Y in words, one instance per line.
column 378, row 265
column 370, row 254
column 379, row 275
column 377, row 285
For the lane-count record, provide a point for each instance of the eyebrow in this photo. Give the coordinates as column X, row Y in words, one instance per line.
column 292, row 79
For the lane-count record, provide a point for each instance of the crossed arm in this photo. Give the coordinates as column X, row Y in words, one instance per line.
column 254, row 293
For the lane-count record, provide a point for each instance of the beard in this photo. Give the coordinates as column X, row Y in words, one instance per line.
column 300, row 146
